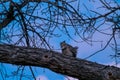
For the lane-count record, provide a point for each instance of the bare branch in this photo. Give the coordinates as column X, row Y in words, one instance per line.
column 66, row 65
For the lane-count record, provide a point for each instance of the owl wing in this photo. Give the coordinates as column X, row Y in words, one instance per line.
column 73, row 50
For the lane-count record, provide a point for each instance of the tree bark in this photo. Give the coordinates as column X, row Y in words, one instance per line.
column 55, row 61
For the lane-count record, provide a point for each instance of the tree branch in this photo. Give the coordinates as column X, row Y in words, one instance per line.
column 78, row 68
column 9, row 17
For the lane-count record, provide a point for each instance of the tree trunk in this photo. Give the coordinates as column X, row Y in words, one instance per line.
column 55, row 61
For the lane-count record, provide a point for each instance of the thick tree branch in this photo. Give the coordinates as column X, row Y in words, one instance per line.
column 82, row 69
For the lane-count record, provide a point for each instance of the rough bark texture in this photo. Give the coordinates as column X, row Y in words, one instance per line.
column 55, row 61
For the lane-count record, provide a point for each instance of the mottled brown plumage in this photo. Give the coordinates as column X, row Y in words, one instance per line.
column 68, row 49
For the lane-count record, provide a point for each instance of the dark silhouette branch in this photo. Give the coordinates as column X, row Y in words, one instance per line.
column 9, row 17
column 37, row 23
column 78, row 68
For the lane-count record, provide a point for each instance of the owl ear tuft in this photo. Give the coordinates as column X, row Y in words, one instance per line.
column 64, row 42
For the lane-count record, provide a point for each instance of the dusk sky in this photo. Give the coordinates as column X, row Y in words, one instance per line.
column 84, row 50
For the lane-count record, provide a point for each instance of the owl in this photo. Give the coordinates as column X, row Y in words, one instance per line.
column 68, row 49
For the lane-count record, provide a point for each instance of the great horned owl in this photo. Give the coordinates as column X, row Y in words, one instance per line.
column 68, row 49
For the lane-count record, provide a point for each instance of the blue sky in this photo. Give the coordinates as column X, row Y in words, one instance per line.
column 83, row 51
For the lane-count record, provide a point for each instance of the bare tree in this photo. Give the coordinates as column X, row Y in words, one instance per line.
column 33, row 23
